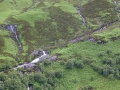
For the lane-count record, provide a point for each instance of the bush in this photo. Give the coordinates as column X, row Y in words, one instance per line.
column 70, row 64
column 59, row 74
column 92, row 78
column 117, row 74
column 106, row 71
column 3, row 77
column 51, row 81
column 50, row 74
column 87, row 61
column 47, row 87
column 46, row 62
column 117, row 60
column 40, row 78
column 94, row 67
column 101, row 55
column 112, row 70
column 31, row 79
column 37, row 86
column 100, row 70
column 61, row 43
column 62, row 62
column 88, row 88
column 74, row 80
column 111, row 77
column 107, row 61
column 108, row 51
column 113, row 62
column 79, row 64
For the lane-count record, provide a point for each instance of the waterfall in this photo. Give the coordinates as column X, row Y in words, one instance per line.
column 44, row 53
column 83, row 19
column 115, row 2
column 28, row 88
column 37, row 60
column 12, row 28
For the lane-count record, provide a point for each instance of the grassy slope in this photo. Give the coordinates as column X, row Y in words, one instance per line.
column 76, row 79
column 40, row 29
column 34, row 19
column 8, row 50
column 90, row 51
column 98, row 13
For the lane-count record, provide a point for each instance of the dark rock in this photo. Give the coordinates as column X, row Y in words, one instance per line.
column 35, row 53
column 101, row 42
column 53, row 58
column 30, row 65
column 92, row 39
column 113, row 38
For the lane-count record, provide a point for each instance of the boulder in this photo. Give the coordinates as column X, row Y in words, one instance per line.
column 53, row 58
column 30, row 65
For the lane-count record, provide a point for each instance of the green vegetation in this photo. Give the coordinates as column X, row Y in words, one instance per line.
column 8, row 51
column 99, row 13
column 91, row 64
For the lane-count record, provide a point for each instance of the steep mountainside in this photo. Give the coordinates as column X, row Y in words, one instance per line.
column 84, row 35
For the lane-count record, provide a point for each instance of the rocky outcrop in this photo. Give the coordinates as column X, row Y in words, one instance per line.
column 30, row 65
column 53, row 58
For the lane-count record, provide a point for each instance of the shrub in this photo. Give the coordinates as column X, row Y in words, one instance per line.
column 50, row 74
column 109, row 61
column 59, row 74
column 117, row 60
column 88, row 88
column 74, row 80
column 113, row 62
column 94, row 67
column 62, row 62
column 101, row 54
column 111, row 77
column 3, row 77
column 106, row 71
column 70, row 64
column 39, row 77
column 117, row 74
column 92, row 78
column 100, row 70
column 47, row 87
column 117, row 54
column 51, row 81
column 46, row 62
column 61, row 43
column 87, row 61
column 106, row 61
column 79, row 64
column 37, row 86
column 112, row 70
column 31, row 79
column 108, row 51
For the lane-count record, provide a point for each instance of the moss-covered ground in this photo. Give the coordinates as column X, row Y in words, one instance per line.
column 50, row 24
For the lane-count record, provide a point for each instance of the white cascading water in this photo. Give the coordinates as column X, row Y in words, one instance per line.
column 13, row 29
column 83, row 19
column 37, row 60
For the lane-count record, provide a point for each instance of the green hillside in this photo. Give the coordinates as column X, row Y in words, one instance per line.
column 84, row 34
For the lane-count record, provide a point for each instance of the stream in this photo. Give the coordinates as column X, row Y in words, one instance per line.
column 32, row 63
column 80, row 38
column 83, row 19
column 13, row 29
